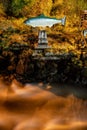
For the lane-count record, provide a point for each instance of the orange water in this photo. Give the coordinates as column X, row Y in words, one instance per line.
column 37, row 107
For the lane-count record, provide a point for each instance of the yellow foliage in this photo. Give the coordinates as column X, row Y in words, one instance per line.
column 46, row 6
column 2, row 13
column 37, row 7
column 58, row 1
column 16, row 38
column 18, row 23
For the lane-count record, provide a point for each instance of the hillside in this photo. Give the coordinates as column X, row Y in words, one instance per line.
column 64, row 39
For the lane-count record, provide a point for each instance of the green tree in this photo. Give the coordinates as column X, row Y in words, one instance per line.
column 14, row 7
column 2, row 10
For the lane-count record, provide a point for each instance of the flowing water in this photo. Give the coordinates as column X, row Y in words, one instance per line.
column 42, row 107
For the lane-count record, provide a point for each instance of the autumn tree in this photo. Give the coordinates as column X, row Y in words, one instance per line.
column 36, row 7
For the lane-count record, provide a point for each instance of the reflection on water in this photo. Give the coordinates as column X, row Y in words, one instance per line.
column 40, row 107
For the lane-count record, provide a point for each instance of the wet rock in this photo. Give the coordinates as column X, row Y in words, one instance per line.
column 20, row 67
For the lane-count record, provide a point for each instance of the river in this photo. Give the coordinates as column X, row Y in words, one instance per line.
column 40, row 106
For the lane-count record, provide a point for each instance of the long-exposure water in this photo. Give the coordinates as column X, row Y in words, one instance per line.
column 42, row 107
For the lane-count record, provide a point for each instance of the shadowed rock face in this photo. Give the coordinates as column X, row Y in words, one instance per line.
column 16, row 57
column 65, row 70
column 38, row 107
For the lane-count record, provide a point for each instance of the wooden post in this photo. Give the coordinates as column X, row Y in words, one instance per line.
column 83, row 25
column 84, row 19
column 42, row 38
